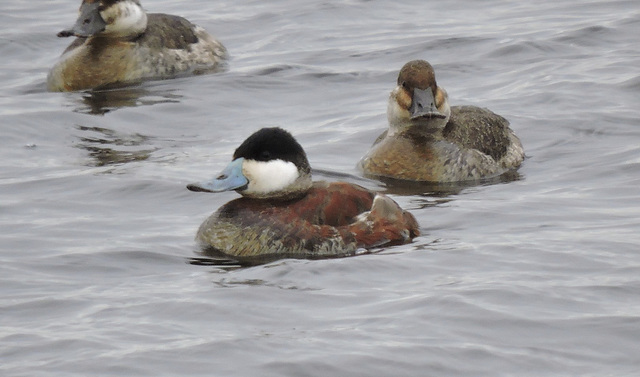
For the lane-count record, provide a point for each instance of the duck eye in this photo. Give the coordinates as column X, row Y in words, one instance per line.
column 404, row 85
column 265, row 155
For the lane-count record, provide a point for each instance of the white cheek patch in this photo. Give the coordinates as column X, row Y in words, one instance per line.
column 396, row 114
column 125, row 18
column 394, row 111
column 444, row 108
column 269, row 176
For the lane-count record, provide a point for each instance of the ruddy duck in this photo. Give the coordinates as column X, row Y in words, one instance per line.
column 283, row 214
column 429, row 141
column 119, row 43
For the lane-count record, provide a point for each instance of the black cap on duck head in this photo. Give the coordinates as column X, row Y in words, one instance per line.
column 417, row 74
column 273, row 144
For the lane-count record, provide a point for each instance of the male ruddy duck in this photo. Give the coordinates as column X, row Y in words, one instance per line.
column 429, row 141
column 283, row 214
column 119, row 43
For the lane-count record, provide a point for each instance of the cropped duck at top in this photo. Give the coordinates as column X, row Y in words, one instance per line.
column 428, row 140
column 283, row 214
column 118, row 43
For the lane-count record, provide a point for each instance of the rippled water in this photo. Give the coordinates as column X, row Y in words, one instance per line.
column 99, row 274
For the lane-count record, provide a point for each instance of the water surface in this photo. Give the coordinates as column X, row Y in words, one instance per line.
column 99, row 273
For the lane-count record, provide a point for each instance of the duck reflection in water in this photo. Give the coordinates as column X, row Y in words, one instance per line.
column 100, row 102
column 107, row 147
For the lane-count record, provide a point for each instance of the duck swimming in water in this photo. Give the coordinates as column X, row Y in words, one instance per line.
column 430, row 141
column 283, row 214
column 118, row 43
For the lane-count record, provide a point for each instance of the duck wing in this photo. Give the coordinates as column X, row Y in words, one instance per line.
column 478, row 128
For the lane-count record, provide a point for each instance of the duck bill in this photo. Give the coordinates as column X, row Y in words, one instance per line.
column 231, row 178
column 89, row 22
column 424, row 105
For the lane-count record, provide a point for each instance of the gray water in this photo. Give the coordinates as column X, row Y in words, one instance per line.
column 537, row 276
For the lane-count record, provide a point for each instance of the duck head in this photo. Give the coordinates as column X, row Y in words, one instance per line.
column 109, row 18
column 417, row 100
column 270, row 164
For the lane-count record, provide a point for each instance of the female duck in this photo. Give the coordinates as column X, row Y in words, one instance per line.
column 429, row 141
column 119, row 43
column 283, row 214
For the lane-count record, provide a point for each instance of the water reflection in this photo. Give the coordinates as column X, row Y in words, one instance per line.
column 211, row 257
column 101, row 144
column 100, row 102
column 223, row 263
column 394, row 186
column 332, row 176
column 441, row 190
